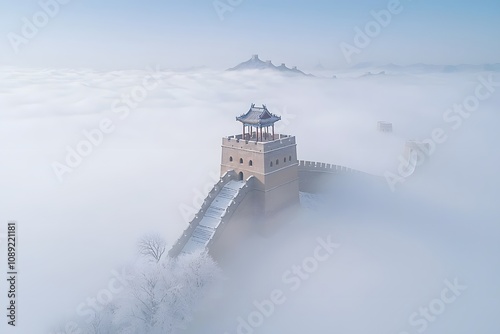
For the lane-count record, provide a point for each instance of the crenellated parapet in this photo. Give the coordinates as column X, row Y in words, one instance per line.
column 311, row 166
column 272, row 143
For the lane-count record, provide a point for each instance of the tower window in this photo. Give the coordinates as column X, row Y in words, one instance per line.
column 271, row 164
column 231, row 159
column 277, row 162
column 290, row 158
column 241, row 160
column 240, row 176
column 284, row 159
column 250, row 163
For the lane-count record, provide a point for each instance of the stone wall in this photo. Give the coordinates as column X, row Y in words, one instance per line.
column 317, row 176
column 231, row 219
column 179, row 245
column 249, row 206
column 324, row 167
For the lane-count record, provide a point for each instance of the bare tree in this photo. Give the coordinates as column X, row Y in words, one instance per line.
column 152, row 245
column 162, row 297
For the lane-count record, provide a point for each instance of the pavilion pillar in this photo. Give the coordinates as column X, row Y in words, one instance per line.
column 273, row 131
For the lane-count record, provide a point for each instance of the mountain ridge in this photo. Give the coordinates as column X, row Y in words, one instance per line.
column 255, row 63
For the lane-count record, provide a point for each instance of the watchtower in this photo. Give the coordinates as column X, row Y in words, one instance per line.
column 271, row 158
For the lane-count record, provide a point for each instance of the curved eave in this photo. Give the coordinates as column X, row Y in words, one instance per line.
column 260, row 123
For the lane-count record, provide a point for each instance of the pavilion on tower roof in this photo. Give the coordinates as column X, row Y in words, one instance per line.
column 261, row 119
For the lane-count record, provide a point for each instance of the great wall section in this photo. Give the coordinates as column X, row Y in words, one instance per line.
column 229, row 208
column 261, row 181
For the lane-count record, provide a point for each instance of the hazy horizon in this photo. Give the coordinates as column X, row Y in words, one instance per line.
column 131, row 34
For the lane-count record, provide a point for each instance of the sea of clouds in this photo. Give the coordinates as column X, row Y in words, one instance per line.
column 151, row 142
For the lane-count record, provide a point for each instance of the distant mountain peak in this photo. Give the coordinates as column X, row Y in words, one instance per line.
column 371, row 74
column 255, row 63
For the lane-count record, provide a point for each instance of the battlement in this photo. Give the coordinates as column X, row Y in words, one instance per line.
column 324, row 167
column 271, row 143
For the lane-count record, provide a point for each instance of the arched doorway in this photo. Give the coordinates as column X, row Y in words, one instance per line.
column 241, row 176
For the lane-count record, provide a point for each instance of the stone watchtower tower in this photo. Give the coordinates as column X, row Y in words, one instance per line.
column 271, row 158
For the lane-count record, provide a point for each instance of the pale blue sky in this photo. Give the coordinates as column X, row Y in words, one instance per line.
column 175, row 33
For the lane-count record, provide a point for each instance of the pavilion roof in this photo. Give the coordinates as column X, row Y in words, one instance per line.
column 258, row 116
